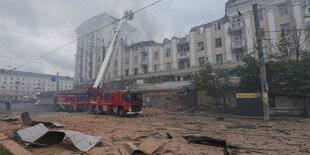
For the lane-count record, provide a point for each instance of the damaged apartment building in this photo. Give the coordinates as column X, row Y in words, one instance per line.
column 148, row 65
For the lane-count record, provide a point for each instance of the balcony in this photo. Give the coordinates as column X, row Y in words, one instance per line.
column 236, row 26
column 237, row 44
column 182, row 55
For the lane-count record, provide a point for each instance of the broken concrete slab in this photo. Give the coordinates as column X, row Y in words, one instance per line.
column 12, row 146
column 150, row 145
column 169, row 136
column 132, row 149
column 149, row 135
column 29, row 122
column 40, row 135
column 10, row 119
column 205, row 140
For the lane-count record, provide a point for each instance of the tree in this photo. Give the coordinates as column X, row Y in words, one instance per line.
column 213, row 81
column 293, row 41
column 249, row 74
column 284, row 48
column 283, row 76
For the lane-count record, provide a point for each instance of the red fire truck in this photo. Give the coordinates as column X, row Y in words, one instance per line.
column 122, row 102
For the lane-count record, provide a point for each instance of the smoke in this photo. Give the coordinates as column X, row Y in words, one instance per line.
column 31, row 28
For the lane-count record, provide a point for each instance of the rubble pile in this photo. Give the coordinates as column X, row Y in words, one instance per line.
column 162, row 131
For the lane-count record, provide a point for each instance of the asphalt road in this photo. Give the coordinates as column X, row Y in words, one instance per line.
column 31, row 107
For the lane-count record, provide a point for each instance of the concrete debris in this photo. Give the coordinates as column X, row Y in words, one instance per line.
column 247, row 126
column 29, row 122
column 282, row 131
column 150, row 145
column 206, row 141
column 305, row 150
column 40, row 135
column 140, row 137
column 169, row 136
column 12, row 146
column 10, row 119
column 213, row 142
column 132, row 149
column 227, row 151
column 121, row 139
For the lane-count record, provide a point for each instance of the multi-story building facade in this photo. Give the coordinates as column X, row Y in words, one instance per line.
column 150, row 65
column 94, row 38
column 16, row 84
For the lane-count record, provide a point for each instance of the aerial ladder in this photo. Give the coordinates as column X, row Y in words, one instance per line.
column 96, row 91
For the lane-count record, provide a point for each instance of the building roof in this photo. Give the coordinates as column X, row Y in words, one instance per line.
column 95, row 19
column 29, row 74
column 144, row 43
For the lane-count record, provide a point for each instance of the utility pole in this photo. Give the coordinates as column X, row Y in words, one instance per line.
column 263, row 81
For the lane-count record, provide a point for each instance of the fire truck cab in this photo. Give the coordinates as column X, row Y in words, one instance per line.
column 119, row 102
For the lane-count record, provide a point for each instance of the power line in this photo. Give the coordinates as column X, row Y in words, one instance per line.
column 55, row 50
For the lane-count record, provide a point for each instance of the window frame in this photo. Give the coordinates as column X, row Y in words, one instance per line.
column 217, row 59
column 218, row 42
column 156, row 55
column 282, row 10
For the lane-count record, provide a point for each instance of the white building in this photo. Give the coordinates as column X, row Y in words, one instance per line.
column 221, row 42
column 16, row 84
column 93, row 43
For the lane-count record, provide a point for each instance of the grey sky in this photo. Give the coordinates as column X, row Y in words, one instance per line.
column 30, row 28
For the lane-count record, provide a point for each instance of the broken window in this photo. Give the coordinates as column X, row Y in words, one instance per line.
column 218, row 42
column 236, row 21
column 136, row 59
column 144, row 56
column 285, row 28
column 238, row 37
column 184, row 64
column 200, row 30
column 200, row 46
column 308, row 25
column 126, row 72
column 144, row 69
column 183, row 47
column 283, row 10
column 168, row 52
column 201, row 61
column 239, row 55
column 168, row 66
column 217, row 26
column 219, row 58
column 156, row 68
column 156, row 56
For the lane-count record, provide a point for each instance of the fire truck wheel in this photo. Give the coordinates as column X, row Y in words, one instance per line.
column 122, row 112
